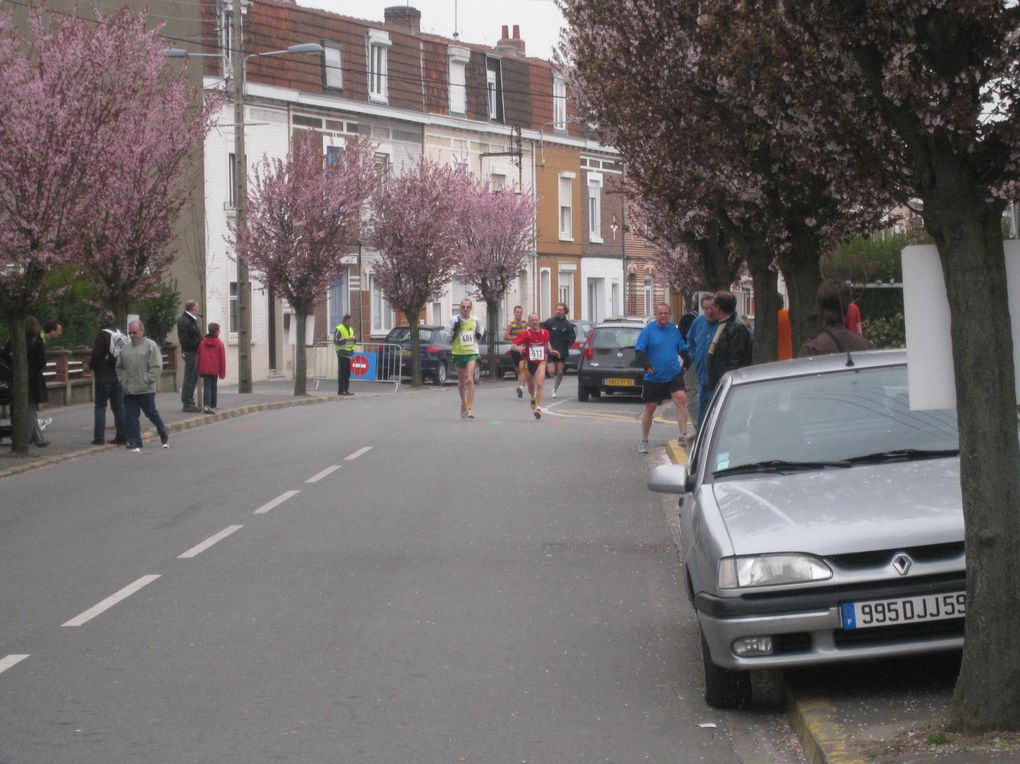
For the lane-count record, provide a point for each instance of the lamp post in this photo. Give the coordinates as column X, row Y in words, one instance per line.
column 244, row 380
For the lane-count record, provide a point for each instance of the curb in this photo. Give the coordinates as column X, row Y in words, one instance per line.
column 823, row 741
column 181, row 426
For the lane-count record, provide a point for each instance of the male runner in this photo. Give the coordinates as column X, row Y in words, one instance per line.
column 463, row 332
column 514, row 328
column 659, row 348
column 534, row 343
column 561, row 335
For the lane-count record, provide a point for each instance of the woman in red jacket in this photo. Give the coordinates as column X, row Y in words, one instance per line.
column 212, row 365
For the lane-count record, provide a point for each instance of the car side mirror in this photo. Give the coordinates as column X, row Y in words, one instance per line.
column 670, row 478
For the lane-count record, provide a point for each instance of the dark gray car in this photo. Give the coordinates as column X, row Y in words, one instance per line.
column 820, row 520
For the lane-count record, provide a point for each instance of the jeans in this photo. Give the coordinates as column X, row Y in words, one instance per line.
column 190, row 378
column 133, row 405
column 209, row 390
column 343, row 381
column 704, row 398
column 108, row 390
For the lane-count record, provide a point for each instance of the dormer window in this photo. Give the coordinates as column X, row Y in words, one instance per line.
column 559, row 103
column 332, row 68
column 457, row 59
column 494, row 89
column 378, row 65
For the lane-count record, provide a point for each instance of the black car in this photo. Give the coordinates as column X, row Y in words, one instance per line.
column 436, row 358
column 582, row 329
column 608, row 360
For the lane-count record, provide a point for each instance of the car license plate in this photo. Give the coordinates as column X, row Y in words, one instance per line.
column 618, row 382
column 929, row 607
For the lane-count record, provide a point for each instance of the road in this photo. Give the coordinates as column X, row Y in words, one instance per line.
column 371, row 580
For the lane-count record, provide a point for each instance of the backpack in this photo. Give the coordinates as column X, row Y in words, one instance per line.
column 118, row 341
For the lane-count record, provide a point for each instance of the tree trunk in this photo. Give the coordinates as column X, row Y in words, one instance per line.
column 21, row 435
column 766, row 303
column 987, row 694
column 415, row 346
column 491, row 319
column 802, row 276
column 300, row 352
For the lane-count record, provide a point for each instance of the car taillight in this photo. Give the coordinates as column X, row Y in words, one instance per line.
column 430, row 349
column 576, row 345
column 587, row 353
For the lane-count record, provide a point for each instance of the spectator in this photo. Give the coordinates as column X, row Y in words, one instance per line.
column 108, row 390
column 835, row 337
column 212, row 365
column 139, row 366
column 699, row 340
column 731, row 344
column 37, row 392
column 189, row 335
column 51, row 330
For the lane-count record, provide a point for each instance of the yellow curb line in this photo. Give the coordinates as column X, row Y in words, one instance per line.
column 187, row 424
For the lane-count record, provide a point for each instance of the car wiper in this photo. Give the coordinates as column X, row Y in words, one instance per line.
column 778, row 465
column 904, row 454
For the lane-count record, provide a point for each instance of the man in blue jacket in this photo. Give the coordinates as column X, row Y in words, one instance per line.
column 659, row 349
column 699, row 340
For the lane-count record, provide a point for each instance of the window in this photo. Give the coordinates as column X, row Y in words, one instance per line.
column 333, row 154
column 458, row 59
column 378, row 50
column 382, row 165
column 565, row 293
column 559, row 104
column 332, row 69
column 566, row 206
column 231, row 182
column 235, row 318
column 595, row 208
column 382, row 314
column 649, row 284
column 498, row 182
column 227, row 37
column 494, row 89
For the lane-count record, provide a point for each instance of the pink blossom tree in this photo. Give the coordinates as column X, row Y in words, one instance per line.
column 66, row 95
column 417, row 228
column 498, row 237
column 302, row 214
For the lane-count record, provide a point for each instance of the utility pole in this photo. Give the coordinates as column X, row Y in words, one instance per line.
column 244, row 382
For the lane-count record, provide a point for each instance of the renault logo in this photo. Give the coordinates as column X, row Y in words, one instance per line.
column 902, row 563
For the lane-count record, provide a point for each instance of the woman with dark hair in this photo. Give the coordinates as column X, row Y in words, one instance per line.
column 833, row 299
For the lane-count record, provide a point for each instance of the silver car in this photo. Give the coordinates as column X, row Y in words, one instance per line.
column 820, row 520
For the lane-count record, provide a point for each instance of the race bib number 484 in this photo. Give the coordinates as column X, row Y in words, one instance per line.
column 467, row 338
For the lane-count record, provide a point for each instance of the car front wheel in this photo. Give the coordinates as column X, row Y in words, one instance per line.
column 724, row 688
column 439, row 378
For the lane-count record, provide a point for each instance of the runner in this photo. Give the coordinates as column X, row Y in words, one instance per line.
column 659, row 348
column 561, row 335
column 464, row 334
column 514, row 328
column 534, row 343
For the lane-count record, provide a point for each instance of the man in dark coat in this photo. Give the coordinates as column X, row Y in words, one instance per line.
column 833, row 301
column 104, row 371
column 731, row 345
column 189, row 335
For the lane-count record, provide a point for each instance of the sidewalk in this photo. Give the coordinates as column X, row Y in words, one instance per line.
column 70, row 433
column 884, row 712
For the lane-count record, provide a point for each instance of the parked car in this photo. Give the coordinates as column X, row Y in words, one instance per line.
column 582, row 329
column 820, row 520
column 436, row 359
column 608, row 361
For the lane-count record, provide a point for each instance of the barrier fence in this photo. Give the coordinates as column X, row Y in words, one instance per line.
column 370, row 362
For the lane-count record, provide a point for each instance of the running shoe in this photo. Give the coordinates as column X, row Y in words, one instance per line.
column 554, row 393
column 470, row 413
column 643, row 447
column 44, row 423
column 164, row 438
column 533, row 404
column 538, row 413
column 520, row 392
column 136, row 450
column 463, row 412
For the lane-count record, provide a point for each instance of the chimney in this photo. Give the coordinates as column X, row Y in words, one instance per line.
column 403, row 16
column 515, row 43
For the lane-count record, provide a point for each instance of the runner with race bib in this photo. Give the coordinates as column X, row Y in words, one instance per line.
column 463, row 332
column 535, row 347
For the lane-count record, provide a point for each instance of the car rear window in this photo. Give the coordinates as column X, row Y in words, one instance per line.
column 826, row 417
column 610, row 337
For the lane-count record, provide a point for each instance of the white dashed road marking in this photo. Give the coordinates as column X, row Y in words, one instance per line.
column 358, row 453
column 199, row 548
column 326, row 472
column 276, row 502
column 110, row 601
column 10, row 660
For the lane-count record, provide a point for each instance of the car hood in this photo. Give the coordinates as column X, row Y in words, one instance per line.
column 841, row 511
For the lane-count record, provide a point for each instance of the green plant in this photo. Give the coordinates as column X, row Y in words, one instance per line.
column 937, row 738
column 885, row 332
column 159, row 314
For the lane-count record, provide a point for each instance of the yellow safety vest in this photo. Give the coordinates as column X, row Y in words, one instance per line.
column 347, row 334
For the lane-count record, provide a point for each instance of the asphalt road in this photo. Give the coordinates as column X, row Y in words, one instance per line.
column 371, row 580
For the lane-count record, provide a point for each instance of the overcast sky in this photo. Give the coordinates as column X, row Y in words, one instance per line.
column 479, row 21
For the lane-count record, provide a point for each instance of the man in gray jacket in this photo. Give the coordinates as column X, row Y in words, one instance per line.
column 138, row 368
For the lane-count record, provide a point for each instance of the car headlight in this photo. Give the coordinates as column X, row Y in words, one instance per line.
column 770, row 570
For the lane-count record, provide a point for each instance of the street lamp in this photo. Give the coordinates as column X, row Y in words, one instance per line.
column 244, row 380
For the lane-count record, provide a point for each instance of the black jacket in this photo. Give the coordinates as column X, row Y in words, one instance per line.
column 103, row 364
column 188, row 333
column 732, row 350
column 561, row 334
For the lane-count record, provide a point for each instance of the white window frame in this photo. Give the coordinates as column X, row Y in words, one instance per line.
column 332, row 65
column 491, row 92
column 457, row 61
column 559, row 103
column 565, row 288
column 649, row 294
column 233, row 314
column 595, row 208
column 566, row 205
column 378, row 65
column 383, row 315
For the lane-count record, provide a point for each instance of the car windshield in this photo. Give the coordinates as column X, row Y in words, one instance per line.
column 849, row 417
column 403, row 334
column 613, row 338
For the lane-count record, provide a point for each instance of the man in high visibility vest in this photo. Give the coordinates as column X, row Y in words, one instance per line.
column 343, row 340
